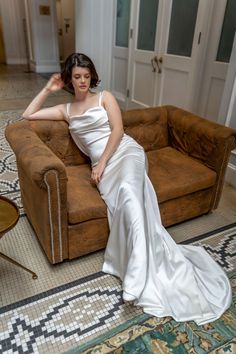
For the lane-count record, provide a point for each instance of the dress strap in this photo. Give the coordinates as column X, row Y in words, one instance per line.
column 100, row 98
column 68, row 110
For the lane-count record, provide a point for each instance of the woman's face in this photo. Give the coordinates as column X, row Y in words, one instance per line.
column 81, row 78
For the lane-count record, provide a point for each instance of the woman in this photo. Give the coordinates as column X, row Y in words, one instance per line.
column 164, row 278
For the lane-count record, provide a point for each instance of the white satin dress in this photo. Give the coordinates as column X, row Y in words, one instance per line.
column 164, row 278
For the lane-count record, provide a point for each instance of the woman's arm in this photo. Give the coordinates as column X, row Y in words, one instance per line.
column 117, row 131
column 34, row 111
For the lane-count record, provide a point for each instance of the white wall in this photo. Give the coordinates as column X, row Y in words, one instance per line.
column 13, row 31
column 93, row 33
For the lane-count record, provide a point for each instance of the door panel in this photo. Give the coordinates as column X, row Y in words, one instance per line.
column 169, row 67
column 215, row 92
column 217, row 58
column 227, row 33
column 120, row 74
column 182, row 27
column 122, row 23
column 147, row 23
column 142, row 68
column 172, row 93
column 144, row 83
column 120, row 51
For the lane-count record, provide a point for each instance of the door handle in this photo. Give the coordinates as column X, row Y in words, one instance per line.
column 153, row 66
column 158, row 61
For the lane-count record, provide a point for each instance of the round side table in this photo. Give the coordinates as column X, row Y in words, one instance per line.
column 9, row 215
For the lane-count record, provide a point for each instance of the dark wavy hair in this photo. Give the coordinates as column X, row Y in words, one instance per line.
column 82, row 60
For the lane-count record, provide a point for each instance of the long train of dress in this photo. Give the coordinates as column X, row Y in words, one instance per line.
column 164, row 278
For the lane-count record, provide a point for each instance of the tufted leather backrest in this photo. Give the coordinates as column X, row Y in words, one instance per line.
column 147, row 126
column 202, row 139
column 56, row 135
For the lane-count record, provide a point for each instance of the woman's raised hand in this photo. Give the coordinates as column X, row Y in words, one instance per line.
column 34, row 109
column 55, row 83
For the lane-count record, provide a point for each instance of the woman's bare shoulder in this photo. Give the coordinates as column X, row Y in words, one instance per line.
column 106, row 94
column 108, row 98
column 63, row 108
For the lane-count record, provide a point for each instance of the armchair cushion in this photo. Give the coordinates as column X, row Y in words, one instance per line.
column 174, row 174
column 85, row 202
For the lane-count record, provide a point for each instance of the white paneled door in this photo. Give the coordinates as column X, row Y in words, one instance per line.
column 217, row 58
column 165, row 51
column 120, row 50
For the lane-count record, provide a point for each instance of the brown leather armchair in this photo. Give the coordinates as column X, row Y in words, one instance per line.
column 187, row 158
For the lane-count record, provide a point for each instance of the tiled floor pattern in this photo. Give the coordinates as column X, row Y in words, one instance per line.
column 21, row 244
column 17, row 88
column 221, row 245
column 9, row 184
column 55, row 321
column 60, row 318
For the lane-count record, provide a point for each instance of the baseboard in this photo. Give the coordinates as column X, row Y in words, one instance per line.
column 50, row 68
column 16, row 61
column 230, row 176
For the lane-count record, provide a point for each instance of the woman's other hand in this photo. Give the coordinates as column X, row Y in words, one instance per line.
column 97, row 172
column 55, row 83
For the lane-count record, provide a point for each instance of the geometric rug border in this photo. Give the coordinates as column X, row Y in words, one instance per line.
column 209, row 233
column 114, row 331
column 107, row 335
column 49, row 292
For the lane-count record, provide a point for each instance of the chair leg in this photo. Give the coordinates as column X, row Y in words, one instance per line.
column 34, row 275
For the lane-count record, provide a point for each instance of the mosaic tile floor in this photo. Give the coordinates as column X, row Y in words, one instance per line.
column 53, row 321
column 21, row 244
column 17, row 88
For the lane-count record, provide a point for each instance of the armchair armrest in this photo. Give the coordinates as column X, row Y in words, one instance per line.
column 204, row 140
column 43, row 183
column 32, row 153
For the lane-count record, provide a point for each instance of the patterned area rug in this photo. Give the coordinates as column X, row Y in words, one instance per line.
column 74, row 312
column 146, row 334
